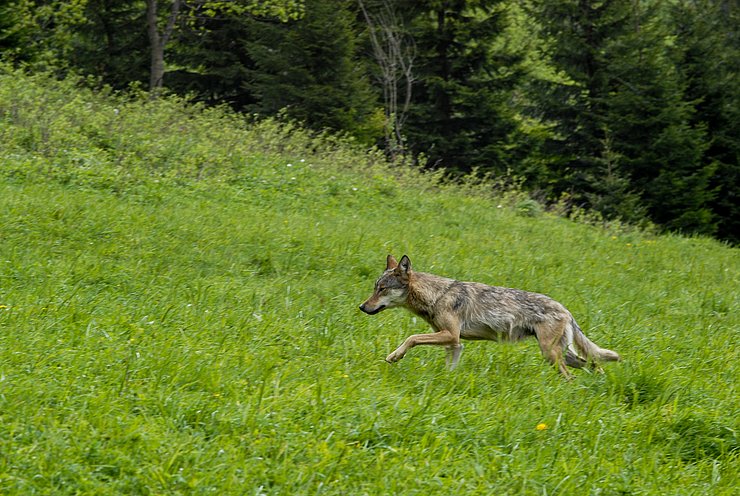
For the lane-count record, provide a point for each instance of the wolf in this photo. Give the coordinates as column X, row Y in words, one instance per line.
column 469, row 310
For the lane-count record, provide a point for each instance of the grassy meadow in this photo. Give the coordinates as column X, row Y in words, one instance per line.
column 179, row 292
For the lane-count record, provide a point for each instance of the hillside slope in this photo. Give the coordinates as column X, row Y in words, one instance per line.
column 178, row 314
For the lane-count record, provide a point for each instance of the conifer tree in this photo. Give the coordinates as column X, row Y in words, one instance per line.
column 708, row 44
column 623, row 87
column 309, row 68
column 461, row 115
column 651, row 117
column 575, row 33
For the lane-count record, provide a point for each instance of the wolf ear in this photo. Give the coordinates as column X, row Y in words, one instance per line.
column 405, row 264
column 390, row 263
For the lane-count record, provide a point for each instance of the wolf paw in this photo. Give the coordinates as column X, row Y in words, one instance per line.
column 395, row 356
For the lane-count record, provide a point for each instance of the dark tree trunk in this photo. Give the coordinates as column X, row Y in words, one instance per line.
column 158, row 42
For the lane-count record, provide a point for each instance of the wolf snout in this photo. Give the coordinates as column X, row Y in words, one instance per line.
column 371, row 311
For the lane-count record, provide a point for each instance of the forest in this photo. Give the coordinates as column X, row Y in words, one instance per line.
column 627, row 108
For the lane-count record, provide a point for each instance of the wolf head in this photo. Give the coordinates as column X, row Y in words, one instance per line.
column 391, row 288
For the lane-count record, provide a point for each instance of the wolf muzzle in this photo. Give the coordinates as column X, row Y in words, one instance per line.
column 373, row 311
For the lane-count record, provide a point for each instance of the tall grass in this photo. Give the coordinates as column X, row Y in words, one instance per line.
column 178, row 315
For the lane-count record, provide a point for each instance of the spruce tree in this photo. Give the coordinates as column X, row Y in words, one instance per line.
column 708, row 44
column 574, row 34
column 623, row 88
column 461, row 115
column 212, row 59
column 112, row 45
column 309, row 68
column 651, row 119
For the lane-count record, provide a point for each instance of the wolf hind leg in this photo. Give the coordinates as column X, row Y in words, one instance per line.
column 554, row 355
column 573, row 360
column 549, row 336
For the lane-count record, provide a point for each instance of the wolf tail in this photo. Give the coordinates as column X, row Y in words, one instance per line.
column 592, row 352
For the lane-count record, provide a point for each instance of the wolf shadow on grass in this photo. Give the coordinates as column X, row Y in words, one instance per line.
column 688, row 432
column 637, row 385
column 695, row 436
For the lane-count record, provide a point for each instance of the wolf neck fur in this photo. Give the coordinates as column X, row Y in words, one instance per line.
column 425, row 290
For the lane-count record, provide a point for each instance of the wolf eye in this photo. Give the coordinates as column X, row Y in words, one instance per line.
column 381, row 288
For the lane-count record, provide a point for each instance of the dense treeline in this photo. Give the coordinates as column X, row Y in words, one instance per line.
column 630, row 108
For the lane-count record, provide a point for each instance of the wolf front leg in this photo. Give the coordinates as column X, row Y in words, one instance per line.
column 453, row 356
column 448, row 339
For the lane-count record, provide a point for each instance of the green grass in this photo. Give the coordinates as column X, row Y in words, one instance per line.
column 178, row 315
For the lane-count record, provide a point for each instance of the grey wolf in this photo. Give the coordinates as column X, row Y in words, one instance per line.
column 469, row 310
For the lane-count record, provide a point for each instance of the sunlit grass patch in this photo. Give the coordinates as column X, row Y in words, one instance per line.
column 168, row 330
